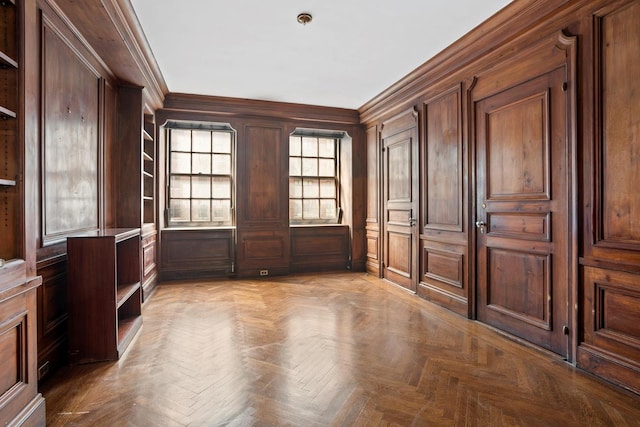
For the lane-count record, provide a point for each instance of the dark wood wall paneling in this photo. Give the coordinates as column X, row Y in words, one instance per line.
column 262, row 199
column 603, row 330
column 263, row 237
column 73, row 123
column 443, row 235
column 374, row 258
column 319, row 248
column 90, row 129
column 71, row 139
column 610, row 289
column 197, row 253
column 594, row 45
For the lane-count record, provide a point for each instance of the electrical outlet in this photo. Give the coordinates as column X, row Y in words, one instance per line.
column 264, row 272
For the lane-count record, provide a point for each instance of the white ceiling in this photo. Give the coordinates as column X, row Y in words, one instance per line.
column 349, row 53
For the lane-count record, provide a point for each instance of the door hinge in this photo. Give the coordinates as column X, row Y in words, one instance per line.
column 565, row 86
column 565, row 330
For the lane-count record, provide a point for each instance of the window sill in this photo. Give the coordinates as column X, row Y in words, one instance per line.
column 195, row 227
column 316, row 225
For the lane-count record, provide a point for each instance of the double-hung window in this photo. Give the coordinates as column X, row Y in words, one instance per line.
column 201, row 174
column 313, row 177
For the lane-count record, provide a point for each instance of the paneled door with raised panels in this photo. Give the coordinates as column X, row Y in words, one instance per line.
column 522, row 219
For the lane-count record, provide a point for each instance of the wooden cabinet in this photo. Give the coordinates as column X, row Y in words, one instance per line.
column 104, row 293
column 20, row 402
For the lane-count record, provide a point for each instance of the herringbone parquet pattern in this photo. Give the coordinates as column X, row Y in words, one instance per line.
column 324, row 350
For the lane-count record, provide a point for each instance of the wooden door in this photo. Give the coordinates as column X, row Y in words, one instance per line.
column 522, row 211
column 400, row 208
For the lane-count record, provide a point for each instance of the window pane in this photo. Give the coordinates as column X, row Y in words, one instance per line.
column 221, row 210
column 327, row 209
column 310, row 147
column 200, row 210
column 195, row 194
column 201, row 141
column 295, row 209
column 326, row 147
column 222, row 164
column 310, row 167
column 327, row 167
column 295, row 166
column 179, row 210
column 201, row 187
column 180, row 140
column 311, row 188
column 311, row 209
column 327, row 188
column 221, row 142
column 221, row 188
column 180, row 187
column 295, row 188
column 180, row 163
column 202, row 163
column 295, row 146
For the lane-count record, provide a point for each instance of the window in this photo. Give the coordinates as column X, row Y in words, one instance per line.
column 313, row 177
column 201, row 174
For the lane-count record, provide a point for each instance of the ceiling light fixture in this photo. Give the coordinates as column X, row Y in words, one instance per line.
column 304, row 18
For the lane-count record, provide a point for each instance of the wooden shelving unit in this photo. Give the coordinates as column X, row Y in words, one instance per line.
column 135, row 171
column 148, row 170
column 10, row 203
column 20, row 402
column 104, row 293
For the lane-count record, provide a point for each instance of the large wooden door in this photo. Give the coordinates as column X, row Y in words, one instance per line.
column 522, row 211
column 400, row 207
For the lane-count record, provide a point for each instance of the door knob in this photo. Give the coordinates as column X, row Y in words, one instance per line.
column 481, row 225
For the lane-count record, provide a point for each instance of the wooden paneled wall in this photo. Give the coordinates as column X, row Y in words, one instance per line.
column 586, row 53
column 197, row 253
column 319, row 248
column 71, row 162
column 80, row 151
column 609, row 291
column 262, row 238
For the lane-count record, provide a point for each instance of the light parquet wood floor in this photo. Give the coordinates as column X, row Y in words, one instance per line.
column 340, row 349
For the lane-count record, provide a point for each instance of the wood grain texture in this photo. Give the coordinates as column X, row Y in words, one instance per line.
column 523, row 283
column 231, row 107
column 443, row 161
column 70, row 140
column 112, row 29
column 197, row 253
column 317, row 350
column 400, row 199
column 620, row 143
column 319, row 248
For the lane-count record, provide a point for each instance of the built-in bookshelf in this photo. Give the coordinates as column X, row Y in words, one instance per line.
column 148, row 170
column 10, row 202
